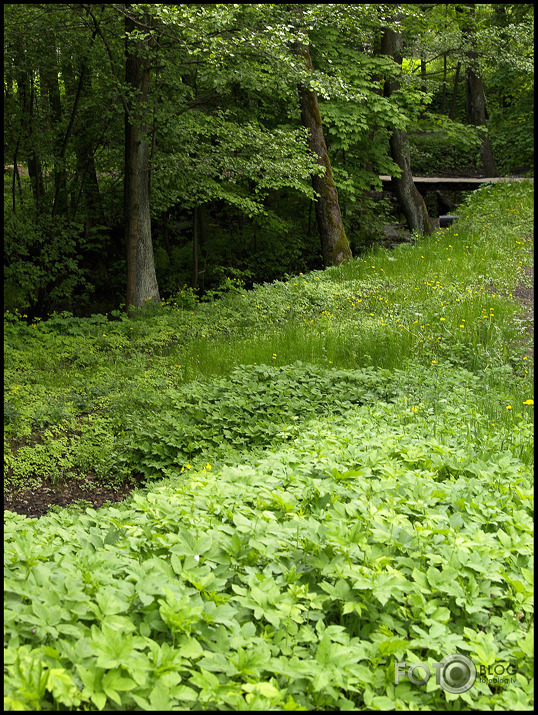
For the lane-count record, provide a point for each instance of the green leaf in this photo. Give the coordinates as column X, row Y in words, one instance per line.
column 381, row 702
column 189, row 647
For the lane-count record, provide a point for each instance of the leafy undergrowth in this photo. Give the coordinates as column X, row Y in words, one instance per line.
column 292, row 580
column 338, row 480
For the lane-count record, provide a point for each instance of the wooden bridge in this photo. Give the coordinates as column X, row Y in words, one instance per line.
column 457, row 183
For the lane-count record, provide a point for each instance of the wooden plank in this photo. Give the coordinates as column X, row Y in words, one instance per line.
column 451, row 183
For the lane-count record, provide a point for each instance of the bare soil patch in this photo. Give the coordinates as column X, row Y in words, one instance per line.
column 37, row 501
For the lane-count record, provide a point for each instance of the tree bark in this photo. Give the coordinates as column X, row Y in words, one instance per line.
column 334, row 243
column 141, row 276
column 409, row 198
column 195, row 243
column 84, row 134
column 476, row 115
column 424, row 86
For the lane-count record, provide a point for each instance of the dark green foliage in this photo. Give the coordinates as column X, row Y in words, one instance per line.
column 439, row 147
column 247, row 410
column 226, row 136
column 43, row 266
column 10, row 411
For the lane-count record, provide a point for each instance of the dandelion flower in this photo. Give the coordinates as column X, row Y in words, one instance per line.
column 529, row 402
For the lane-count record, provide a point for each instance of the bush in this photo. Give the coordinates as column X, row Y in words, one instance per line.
column 43, row 269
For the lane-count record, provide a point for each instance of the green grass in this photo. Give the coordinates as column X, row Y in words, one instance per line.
column 338, row 473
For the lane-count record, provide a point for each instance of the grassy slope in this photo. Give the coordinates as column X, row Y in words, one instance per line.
column 360, row 490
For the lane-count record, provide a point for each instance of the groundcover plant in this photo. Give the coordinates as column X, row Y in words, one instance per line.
column 338, row 480
column 295, row 580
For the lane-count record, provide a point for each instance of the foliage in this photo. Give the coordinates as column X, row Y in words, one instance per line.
column 54, row 276
column 103, row 378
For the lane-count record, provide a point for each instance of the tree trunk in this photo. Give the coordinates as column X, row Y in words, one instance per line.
column 84, row 134
column 141, row 277
column 476, row 115
column 424, row 85
column 409, row 198
column 475, row 104
column 334, row 244
column 26, row 91
column 16, row 178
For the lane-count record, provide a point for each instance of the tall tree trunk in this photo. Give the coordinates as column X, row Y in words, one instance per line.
column 195, row 242
column 476, row 114
column 475, row 102
column 141, row 277
column 409, row 198
column 16, row 178
column 424, row 86
column 334, row 244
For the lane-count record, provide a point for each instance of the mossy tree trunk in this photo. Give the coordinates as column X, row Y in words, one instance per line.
column 409, row 197
column 334, row 244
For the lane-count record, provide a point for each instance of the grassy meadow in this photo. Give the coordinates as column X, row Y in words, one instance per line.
column 336, row 477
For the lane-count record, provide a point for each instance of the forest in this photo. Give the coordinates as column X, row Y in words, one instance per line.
column 269, row 364
column 149, row 149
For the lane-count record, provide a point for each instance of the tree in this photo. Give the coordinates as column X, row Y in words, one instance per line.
column 334, row 243
column 409, row 197
column 476, row 98
column 141, row 277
